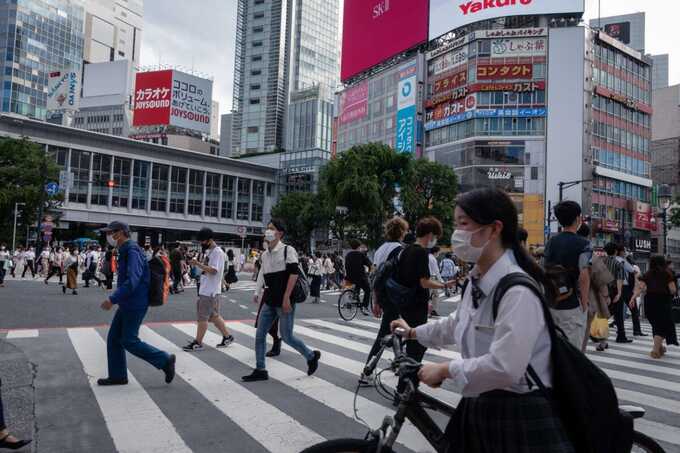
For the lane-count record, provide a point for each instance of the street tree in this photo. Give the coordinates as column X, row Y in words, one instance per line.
column 429, row 189
column 25, row 168
column 301, row 213
column 359, row 189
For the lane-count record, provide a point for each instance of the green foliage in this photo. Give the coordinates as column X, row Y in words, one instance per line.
column 363, row 180
column 24, row 171
column 429, row 189
column 302, row 214
column 674, row 215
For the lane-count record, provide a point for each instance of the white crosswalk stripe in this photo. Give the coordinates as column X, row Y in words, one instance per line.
column 292, row 411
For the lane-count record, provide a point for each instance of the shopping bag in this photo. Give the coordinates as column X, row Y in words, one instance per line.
column 599, row 329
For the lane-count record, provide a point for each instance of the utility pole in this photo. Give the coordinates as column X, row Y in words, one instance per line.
column 14, row 232
column 41, row 205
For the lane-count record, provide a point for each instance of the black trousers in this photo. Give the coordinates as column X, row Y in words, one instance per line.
column 91, row 274
column 30, row 264
column 389, row 314
column 415, row 316
column 176, row 279
column 364, row 285
column 618, row 310
column 635, row 313
column 2, row 272
column 55, row 270
column 2, row 415
column 109, row 280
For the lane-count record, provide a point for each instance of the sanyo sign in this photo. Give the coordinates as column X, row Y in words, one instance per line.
column 447, row 15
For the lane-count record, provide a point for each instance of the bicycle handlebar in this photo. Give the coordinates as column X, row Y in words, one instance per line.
column 403, row 365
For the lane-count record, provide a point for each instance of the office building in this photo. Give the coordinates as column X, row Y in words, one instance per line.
column 38, row 37
column 165, row 194
column 113, row 31
column 282, row 46
column 660, row 71
column 627, row 28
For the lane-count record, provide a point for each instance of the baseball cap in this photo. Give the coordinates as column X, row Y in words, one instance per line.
column 116, row 226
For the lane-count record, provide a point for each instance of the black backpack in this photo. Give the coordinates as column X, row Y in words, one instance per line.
column 301, row 288
column 159, row 282
column 583, row 395
column 613, row 286
column 384, row 272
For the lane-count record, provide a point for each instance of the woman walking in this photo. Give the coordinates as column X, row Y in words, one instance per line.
column 230, row 275
column 71, row 264
column 316, row 272
column 658, row 285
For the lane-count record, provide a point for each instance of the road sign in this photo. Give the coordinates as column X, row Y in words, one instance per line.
column 52, row 188
column 241, row 231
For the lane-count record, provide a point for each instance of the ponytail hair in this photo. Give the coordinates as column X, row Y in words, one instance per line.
column 486, row 206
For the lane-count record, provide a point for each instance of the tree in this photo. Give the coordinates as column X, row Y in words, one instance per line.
column 362, row 182
column 301, row 214
column 429, row 189
column 25, row 168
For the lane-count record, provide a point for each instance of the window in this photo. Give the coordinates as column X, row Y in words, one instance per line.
column 243, row 202
column 178, row 187
column 140, row 184
column 80, row 167
column 253, row 129
column 257, row 43
column 256, row 72
column 254, row 101
column 259, row 15
column 256, row 58
column 121, row 178
column 227, row 197
column 101, row 173
column 259, row 29
column 259, row 2
column 159, row 187
column 258, row 200
column 534, row 173
column 212, row 194
column 255, row 86
column 195, row 192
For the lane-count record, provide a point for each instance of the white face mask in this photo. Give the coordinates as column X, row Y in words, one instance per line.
column 461, row 242
column 111, row 241
column 432, row 243
column 269, row 235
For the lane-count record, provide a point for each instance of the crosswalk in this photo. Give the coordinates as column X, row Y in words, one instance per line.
column 209, row 408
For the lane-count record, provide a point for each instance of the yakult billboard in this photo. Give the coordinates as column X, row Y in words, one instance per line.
column 173, row 98
column 375, row 30
column 447, row 15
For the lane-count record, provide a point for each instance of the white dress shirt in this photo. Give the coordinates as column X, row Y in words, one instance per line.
column 275, row 260
column 494, row 355
column 383, row 252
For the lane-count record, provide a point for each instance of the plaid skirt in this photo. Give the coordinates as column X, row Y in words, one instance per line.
column 506, row 422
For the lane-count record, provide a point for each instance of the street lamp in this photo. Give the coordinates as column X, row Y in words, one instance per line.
column 14, row 234
column 566, row 185
column 665, row 196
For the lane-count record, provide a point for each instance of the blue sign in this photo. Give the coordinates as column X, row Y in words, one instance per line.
column 52, row 188
column 488, row 113
column 406, row 127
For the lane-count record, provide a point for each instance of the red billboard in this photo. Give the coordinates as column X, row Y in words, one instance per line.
column 354, row 103
column 504, row 71
column 375, row 30
column 153, row 93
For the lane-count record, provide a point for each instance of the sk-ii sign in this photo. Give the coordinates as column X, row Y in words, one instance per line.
column 406, row 108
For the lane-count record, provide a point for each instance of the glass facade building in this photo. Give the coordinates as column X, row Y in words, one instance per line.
column 37, row 37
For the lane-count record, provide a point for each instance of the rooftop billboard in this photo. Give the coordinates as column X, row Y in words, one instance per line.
column 375, row 30
column 447, row 15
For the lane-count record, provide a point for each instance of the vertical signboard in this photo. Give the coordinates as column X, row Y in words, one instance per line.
column 153, row 92
column 406, row 108
column 63, row 91
column 191, row 102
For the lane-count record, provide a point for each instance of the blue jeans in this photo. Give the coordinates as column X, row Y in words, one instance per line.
column 287, row 320
column 124, row 336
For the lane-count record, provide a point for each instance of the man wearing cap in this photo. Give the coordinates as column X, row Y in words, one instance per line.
column 132, row 298
column 208, row 304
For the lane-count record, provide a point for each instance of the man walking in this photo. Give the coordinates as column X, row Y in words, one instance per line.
column 29, row 262
column 356, row 264
column 176, row 258
column 91, row 260
column 132, row 298
column 617, row 292
column 277, row 278
column 569, row 254
column 208, row 304
column 56, row 265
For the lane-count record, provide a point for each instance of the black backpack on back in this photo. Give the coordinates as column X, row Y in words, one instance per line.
column 583, row 395
column 385, row 271
column 159, row 280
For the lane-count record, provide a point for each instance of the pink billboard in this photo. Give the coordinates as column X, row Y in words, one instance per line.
column 354, row 103
column 375, row 30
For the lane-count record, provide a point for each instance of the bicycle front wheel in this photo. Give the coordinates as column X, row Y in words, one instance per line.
column 347, row 306
column 645, row 444
column 347, row 446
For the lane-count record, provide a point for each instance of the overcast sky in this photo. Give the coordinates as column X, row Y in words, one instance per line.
column 200, row 34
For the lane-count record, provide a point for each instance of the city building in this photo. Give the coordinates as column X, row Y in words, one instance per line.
column 38, row 37
column 524, row 98
column 660, row 71
column 176, row 137
column 165, row 194
column 282, row 46
column 215, row 121
column 113, row 31
column 105, row 102
column 226, row 134
column 666, row 156
column 627, row 28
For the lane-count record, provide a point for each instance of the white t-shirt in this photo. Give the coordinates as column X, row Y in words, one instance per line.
column 383, row 252
column 30, row 255
column 211, row 284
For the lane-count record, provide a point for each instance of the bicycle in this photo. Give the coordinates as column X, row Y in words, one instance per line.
column 412, row 407
column 349, row 303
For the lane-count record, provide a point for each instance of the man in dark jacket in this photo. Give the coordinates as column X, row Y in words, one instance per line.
column 132, row 298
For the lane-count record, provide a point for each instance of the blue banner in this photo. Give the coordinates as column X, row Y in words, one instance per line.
column 489, row 113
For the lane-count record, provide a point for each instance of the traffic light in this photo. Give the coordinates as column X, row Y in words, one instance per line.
column 111, row 183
